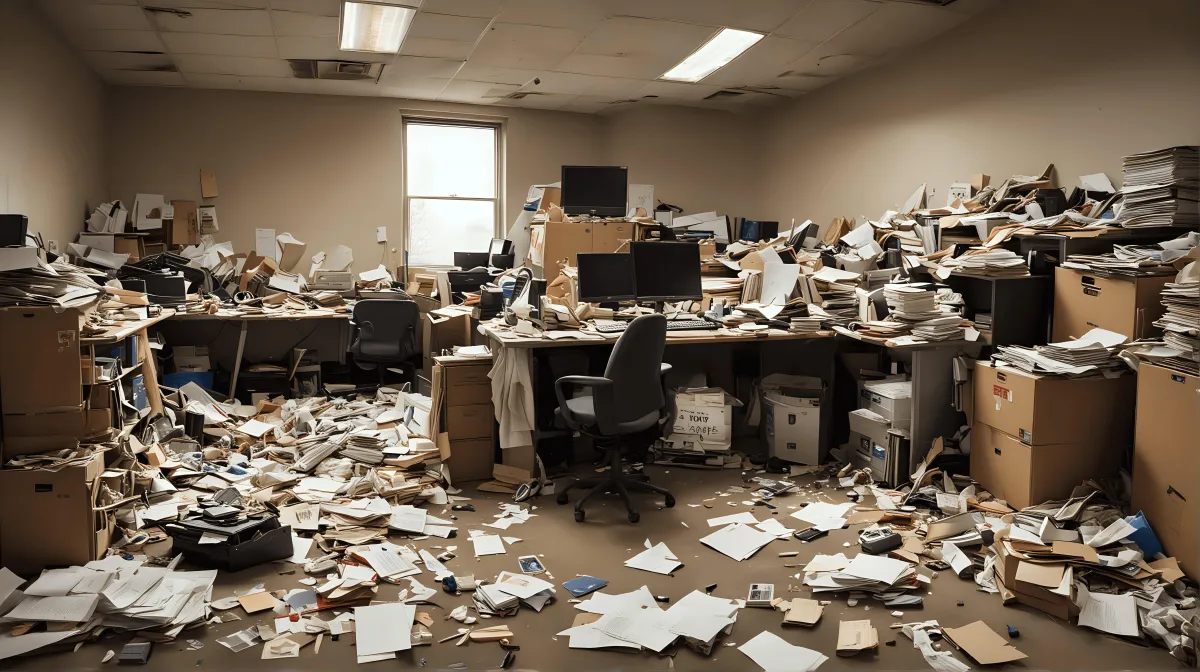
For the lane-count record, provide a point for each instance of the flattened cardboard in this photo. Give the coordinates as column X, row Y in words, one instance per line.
column 1046, row 576
column 982, row 643
column 1076, row 550
column 855, row 637
column 256, row 602
column 1166, row 463
column 803, row 612
column 1169, row 567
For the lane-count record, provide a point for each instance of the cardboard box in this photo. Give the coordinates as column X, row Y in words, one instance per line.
column 443, row 329
column 1128, row 306
column 793, row 428
column 609, row 236
column 865, row 422
column 705, row 412
column 893, row 400
column 471, row 460
column 48, row 518
column 468, row 385
column 185, row 227
column 131, row 245
column 1166, row 461
column 1024, row 474
column 1059, row 606
column 564, row 241
column 469, row 422
column 1049, row 410
column 39, row 360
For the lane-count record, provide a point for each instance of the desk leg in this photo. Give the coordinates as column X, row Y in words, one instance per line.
column 149, row 372
column 237, row 362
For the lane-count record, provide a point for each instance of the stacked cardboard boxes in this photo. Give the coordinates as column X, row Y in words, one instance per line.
column 1166, row 460
column 1035, row 438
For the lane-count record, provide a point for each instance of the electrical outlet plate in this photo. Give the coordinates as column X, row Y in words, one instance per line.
column 52, row 246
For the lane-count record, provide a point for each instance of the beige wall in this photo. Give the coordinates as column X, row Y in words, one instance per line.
column 326, row 168
column 51, row 127
column 1077, row 83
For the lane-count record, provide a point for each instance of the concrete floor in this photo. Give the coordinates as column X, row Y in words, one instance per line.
column 599, row 547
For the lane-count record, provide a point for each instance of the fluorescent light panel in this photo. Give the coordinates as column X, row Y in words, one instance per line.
column 374, row 27
column 714, row 55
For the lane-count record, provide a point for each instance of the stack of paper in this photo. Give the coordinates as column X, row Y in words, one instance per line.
column 865, row 573
column 533, row 592
column 1162, row 188
column 911, row 303
column 805, row 325
column 1094, row 352
column 1137, row 260
column 490, row 599
column 946, row 328
column 57, row 284
column 634, row 620
column 1181, row 321
column 738, row 541
column 992, row 263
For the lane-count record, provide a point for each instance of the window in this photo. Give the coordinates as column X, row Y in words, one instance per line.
column 451, row 196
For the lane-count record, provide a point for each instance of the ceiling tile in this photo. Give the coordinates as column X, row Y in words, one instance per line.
column 762, row 61
column 464, row 91
column 482, row 9
column 120, row 40
column 478, row 72
column 298, row 24
column 77, row 15
column 425, row 46
column 804, row 83
column 822, row 19
column 508, row 45
column 548, row 101
column 142, row 78
column 586, row 105
column 895, row 25
column 280, row 84
column 323, row 49
column 677, row 90
column 447, row 27
column 221, row 45
column 233, row 65
column 207, row 4
column 576, row 15
column 418, row 66
column 420, row 88
column 217, row 22
column 117, row 60
column 760, row 15
column 318, row 7
column 631, row 47
column 562, row 82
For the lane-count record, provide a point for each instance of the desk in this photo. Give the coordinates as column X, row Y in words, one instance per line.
column 329, row 334
column 145, row 355
column 733, row 368
column 932, row 412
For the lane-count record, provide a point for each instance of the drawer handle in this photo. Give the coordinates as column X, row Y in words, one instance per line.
column 997, row 450
column 1173, row 491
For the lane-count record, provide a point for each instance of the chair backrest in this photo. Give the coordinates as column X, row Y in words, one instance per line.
column 393, row 328
column 634, row 367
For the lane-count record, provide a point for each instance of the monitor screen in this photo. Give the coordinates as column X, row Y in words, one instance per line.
column 666, row 271
column 606, row 277
column 595, row 190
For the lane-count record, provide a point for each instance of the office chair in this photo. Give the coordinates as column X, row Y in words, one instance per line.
column 629, row 399
column 387, row 334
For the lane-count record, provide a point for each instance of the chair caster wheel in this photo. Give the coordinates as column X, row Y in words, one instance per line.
column 579, row 516
column 561, row 498
column 634, row 516
column 670, row 503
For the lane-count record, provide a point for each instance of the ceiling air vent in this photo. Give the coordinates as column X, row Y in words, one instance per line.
column 340, row 70
column 724, row 95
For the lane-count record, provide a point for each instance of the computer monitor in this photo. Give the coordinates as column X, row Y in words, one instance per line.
column 595, row 190
column 468, row 260
column 754, row 230
column 606, row 277
column 666, row 271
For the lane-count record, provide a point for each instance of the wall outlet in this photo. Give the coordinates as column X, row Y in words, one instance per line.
column 52, row 246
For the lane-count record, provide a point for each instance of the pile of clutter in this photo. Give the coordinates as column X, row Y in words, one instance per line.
column 1093, row 354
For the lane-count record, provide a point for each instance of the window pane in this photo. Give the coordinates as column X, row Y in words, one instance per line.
column 438, row 229
column 451, row 161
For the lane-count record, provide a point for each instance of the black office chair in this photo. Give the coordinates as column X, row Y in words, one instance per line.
column 387, row 334
column 629, row 399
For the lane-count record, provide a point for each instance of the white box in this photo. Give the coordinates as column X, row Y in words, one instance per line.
column 870, row 424
column 707, row 413
column 864, row 395
column 793, row 428
column 892, row 400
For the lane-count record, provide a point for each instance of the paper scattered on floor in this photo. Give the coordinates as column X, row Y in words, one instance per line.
column 657, row 558
column 487, row 544
column 738, row 541
column 770, row 652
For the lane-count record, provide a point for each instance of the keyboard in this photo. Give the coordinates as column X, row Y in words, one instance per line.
column 673, row 325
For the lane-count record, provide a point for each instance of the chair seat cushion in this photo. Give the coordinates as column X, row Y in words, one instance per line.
column 583, row 412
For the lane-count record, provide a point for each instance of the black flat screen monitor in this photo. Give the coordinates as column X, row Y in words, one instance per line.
column 468, row 260
column 666, row 271
column 595, row 190
column 606, row 277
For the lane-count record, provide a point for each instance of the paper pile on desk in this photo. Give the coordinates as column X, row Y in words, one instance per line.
column 1093, row 353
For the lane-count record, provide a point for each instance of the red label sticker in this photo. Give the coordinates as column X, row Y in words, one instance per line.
column 1002, row 392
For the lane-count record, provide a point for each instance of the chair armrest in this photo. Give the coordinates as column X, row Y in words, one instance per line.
column 602, row 398
column 365, row 328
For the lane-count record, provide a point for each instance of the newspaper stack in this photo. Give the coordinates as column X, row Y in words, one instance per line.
column 911, row 303
column 948, row 328
column 362, row 447
column 58, row 284
column 866, row 573
column 995, row 263
column 1181, row 322
column 1162, row 188
column 1093, row 353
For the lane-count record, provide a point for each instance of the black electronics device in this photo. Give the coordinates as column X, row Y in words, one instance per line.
column 666, row 271
column 606, row 277
column 600, row 191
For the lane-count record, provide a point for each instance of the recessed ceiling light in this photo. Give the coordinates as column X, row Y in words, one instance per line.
column 714, row 55
column 374, row 27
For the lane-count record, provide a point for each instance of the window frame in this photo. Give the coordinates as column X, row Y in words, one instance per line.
column 496, row 124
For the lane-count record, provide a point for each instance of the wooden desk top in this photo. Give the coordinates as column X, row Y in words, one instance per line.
column 504, row 337
column 263, row 317
column 929, row 345
column 125, row 329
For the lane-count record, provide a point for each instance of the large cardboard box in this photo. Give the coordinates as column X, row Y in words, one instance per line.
column 443, row 329
column 1128, row 306
column 1166, row 461
column 793, row 428
column 1048, row 410
column 564, row 241
column 471, row 460
column 39, row 360
column 185, row 227
column 468, row 384
column 48, row 518
column 608, row 236
column 1024, row 474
